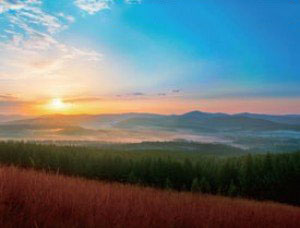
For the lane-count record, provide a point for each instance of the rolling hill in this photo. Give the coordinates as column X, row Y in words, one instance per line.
column 245, row 130
column 286, row 119
column 210, row 122
column 199, row 121
column 37, row 199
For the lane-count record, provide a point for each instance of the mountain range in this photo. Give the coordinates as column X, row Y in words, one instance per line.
column 194, row 121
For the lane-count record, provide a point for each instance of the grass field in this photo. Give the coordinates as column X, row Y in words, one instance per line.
column 30, row 198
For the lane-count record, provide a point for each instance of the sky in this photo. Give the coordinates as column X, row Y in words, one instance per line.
column 158, row 56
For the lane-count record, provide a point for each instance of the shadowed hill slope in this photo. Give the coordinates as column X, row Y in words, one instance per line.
column 36, row 199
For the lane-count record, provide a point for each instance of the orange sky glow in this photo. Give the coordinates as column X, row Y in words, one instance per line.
column 154, row 105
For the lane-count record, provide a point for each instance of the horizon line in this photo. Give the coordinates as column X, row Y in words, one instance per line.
column 151, row 113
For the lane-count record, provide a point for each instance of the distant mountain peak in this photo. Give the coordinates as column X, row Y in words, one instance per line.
column 201, row 114
column 195, row 112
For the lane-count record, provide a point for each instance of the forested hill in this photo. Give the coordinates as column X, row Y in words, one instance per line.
column 265, row 177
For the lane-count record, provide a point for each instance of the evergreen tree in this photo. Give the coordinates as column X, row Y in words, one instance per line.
column 232, row 190
column 204, row 186
column 247, row 176
column 195, row 185
column 168, row 184
column 132, row 178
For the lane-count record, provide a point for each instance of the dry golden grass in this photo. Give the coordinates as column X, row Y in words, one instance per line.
column 36, row 199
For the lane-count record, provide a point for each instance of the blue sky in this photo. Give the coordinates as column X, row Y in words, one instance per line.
column 145, row 50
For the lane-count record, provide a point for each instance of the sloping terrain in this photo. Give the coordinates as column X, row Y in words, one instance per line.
column 36, row 199
column 209, row 122
column 287, row 119
column 206, row 168
column 6, row 118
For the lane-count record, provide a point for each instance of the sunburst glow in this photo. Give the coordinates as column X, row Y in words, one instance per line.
column 57, row 105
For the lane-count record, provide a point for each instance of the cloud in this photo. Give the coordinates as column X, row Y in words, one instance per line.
column 31, row 47
column 7, row 5
column 41, row 56
column 137, row 94
column 28, row 14
column 31, row 26
column 92, row 6
column 133, row 95
column 133, row 1
column 145, row 95
column 6, row 96
column 176, row 91
column 82, row 99
column 68, row 18
column 7, row 100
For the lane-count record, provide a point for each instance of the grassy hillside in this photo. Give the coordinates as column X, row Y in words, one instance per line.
column 36, row 199
column 270, row 176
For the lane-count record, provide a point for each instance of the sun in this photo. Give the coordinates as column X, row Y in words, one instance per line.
column 57, row 104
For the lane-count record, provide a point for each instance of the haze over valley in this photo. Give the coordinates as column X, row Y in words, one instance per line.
column 244, row 130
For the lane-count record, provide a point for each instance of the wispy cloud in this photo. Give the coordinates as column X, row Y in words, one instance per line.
column 82, row 99
column 8, row 97
column 137, row 94
column 31, row 47
column 92, row 6
column 30, row 14
column 143, row 95
column 7, row 100
column 133, row 1
column 68, row 18
column 7, row 5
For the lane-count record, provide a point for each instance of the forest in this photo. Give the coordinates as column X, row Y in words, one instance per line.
column 273, row 177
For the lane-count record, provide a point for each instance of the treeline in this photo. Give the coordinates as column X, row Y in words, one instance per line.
column 266, row 177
